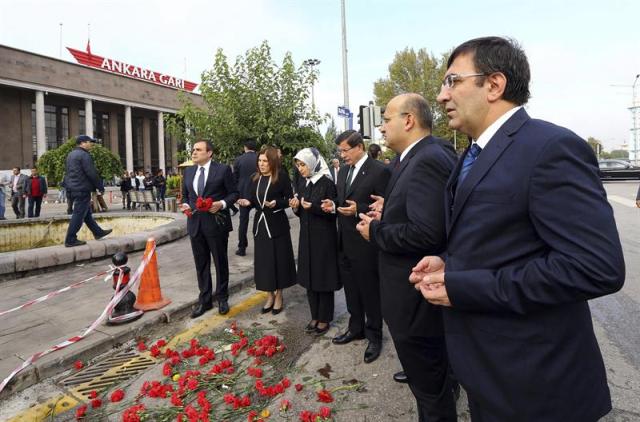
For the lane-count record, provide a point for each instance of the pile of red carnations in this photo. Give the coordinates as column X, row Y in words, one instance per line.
column 235, row 379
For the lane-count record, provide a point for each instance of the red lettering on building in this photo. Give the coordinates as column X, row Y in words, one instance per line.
column 114, row 66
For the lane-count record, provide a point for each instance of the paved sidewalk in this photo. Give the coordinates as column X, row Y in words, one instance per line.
column 40, row 326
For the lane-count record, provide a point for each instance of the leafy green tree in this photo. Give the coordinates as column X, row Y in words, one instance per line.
column 619, row 154
column 254, row 97
column 420, row 72
column 596, row 145
column 52, row 163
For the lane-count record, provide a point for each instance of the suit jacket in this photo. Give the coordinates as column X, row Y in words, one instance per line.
column 243, row 168
column 332, row 170
column 219, row 186
column 21, row 187
column 531, row 237
column 43, row 186
column 412, row 226
column 371, row 179
column 275, row 218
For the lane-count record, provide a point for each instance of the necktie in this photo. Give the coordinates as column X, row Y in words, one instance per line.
column 349, row 178
column 201, row 182
column 469, row 159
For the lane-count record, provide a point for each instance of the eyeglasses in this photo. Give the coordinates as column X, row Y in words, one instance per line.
column 450, row 80
column 344, row 151
column 387, row 119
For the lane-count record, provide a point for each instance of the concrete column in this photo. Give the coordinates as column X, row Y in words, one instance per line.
column 74, row 125
column 128, row 135
column 88, row 117
column 161, row 142
column 113, row 133
column 146, row 143
column 41, row 141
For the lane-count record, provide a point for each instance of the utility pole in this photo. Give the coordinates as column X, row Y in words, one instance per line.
column 345, row 73
column 634, row 116
column 312, row 63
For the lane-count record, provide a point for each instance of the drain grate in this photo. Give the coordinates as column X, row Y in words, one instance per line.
column 108, row 372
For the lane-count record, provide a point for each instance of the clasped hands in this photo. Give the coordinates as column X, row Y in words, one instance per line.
column 428, row 278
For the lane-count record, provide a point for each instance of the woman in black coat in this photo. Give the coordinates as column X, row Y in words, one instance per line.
column 317, row 250
column 269, row 193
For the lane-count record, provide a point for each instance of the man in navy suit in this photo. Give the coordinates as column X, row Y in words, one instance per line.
column 243, row 168
column 530, row 239
column 412, row 225
column 209, row 230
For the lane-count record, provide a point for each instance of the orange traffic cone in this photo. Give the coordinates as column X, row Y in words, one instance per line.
column 149, row 294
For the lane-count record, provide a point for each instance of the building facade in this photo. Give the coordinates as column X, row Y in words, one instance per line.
column 45, row 101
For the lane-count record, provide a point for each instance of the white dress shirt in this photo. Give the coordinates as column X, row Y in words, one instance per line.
column 206, row 174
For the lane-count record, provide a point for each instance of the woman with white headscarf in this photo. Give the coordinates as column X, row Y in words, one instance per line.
column 317, row 248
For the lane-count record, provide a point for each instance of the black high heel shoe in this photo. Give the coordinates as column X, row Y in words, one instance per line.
column 311, row 327
column 266, row 310
column 275, row 311
column 321, row 331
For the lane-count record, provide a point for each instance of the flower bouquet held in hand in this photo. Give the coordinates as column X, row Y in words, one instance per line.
column 205, row 205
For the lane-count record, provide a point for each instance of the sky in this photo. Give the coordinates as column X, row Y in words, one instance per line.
column 584, row 55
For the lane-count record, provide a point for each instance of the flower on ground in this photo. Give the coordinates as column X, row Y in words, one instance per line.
column 95, row 403
column 324, row 396
column 285, row 405
column 81, row 412
column 299, row 387
column 117, row 396
column 325, row 412
column 78, row 364
column 141, row 346
column 93, row 394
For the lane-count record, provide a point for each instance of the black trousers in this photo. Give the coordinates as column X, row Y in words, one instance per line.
column 243, row 226
column 35, row 202
column 362, row 291
column 17, row 203
column 321, row 305
column 204, row 248
column 425, row 361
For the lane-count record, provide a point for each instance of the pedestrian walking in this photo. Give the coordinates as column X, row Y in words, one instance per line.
column 18, row 183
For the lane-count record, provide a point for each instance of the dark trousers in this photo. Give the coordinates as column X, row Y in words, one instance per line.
column 243, row 225
column 362, row 291
column 321, row 305
column 126, row 199
column 35, row 202
column 81, row 213
column 17, row 203
column 205, row 247
column 425, row 361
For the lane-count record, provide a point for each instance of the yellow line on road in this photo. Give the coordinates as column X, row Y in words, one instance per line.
column 66, row 402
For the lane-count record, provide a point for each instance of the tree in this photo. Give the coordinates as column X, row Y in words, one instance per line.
column 254, row 97
column 52, row 163
column 420, row 72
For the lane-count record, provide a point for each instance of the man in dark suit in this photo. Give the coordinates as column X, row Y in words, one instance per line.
column 412, row 222
column 243, row 168
column 209, row 230
column 334, row 169
column 530, row 238
column 360, row 178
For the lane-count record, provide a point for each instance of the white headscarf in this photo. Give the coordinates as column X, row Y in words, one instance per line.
column 315, row 163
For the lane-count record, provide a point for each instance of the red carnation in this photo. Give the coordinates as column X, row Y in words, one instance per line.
column 93, row 394
column 299, row 387
column 325, row 412
column 81, row 412
column 324, row 396
column 95, row 403
column 78, row 364
column 141, row 346
column 117, row 396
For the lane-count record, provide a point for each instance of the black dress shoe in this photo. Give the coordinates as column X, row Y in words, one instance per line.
column 241, row 252
column 401, row 377
column 223, row 307
column 347, row 337
column 200, row 309
column 311, row 327
column 321, row 331
column 276, row 311
column 104, row 233
column 266, row 310
column 75, row 243
column 372, row 352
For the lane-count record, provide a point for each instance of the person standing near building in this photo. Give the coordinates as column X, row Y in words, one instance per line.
column 18, row 183
column 411, row 224
column 531, row 238
column 36, row 190
column 360, row 178
column 334, row 169
column 4, row 180
column 160, row 183
column 82, row 178
column 125, row 190
column 244, row 167
column 209, row 230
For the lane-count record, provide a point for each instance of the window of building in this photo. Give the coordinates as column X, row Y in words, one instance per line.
column 56, row 127
column 138, row 147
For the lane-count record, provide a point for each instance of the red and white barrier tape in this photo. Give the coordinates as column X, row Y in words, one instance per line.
column 107, row 311
column 107, row 273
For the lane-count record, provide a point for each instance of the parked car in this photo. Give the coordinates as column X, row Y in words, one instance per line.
column 618, row 169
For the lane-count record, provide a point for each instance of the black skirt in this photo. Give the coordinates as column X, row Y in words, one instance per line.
column 274, row 267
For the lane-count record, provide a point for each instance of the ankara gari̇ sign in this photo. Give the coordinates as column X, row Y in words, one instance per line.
column 89, row 59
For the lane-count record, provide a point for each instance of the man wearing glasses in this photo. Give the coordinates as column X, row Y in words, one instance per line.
column 530, row 238
column 412, row 225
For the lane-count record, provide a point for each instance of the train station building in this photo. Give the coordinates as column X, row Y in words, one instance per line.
column 44, row 101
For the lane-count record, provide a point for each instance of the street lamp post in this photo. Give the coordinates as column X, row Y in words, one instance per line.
column 312, row 63
column 634, row 116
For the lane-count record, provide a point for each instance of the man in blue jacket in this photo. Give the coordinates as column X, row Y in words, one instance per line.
column 81, row 179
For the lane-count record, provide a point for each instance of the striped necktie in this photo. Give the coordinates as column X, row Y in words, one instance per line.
column 469, row 159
